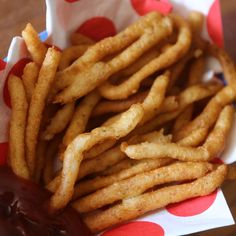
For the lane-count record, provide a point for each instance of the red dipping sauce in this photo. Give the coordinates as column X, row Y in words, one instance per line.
column 23, row 211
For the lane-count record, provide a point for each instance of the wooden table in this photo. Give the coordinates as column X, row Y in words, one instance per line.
column 14, row 15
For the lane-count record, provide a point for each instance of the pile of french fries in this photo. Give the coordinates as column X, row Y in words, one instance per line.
column 123, row 118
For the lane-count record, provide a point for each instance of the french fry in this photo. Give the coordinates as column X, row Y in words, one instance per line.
column 83, row 142
column 29, row 78
column 99, row 182
column 136, row 206
column 17, row 127
column 36, row 107
column 59, row 122
column 212, row 147
column 36, row 48
column 80, row 117
column 80, row 39
column 70, row 54
column 140, row 183
column 149, row 37
column 131, row 85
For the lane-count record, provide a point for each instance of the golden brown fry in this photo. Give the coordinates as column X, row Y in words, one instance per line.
column 109, row 46
column 100, row 163
column 17, row 127
column 155, row 97
column 182, row 119
column 70, row 54
column 139, row 183
column 212, row 147
column 186, row 97
column 88, row 186
column 216, row 140
column 169, row 57
column 136, row 206
column 45, row 79
column 79, row 39
column 83, row 142
column 59, row 122
column 196, row 20
column 92, row 77
column 137, row 65
column 124, row 164
column 80, row 118
column 196, row 71
column 222, row 98
column 196, row 138
column 116, row 106
column 29, row 78
column 210, row 113
column 35, row 47
column 99, row 148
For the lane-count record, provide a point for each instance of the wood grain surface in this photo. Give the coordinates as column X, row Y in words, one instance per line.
column 14, row 14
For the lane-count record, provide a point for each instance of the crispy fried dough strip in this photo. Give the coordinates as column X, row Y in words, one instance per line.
column 59, row 122
column 222, row 98
column 155, row 97
column 105, row 107
column 170, row 103
column 136, row 206
column 179, row 67
column 36, row 48
column 196, row 20
column 210, row 113
column 99, row 182
column 45, row 79
column 169, row 57
column 90, row 78
column 183, row 119
column 106, row 47
column 100, row 163
column 187, row 97
column 194, row 139
column 99, row 148
column 80, row 118
column 217, row 138
column 196, row 71
column 71, row 54
column 29, row 78
column 212, row 147
column 80, row 39
column 83, row 142
column 138, row 184
column 124, row 164
column 17, row 127
column 137, row 65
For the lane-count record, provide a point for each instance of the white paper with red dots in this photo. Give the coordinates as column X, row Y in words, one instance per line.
column 101, row 18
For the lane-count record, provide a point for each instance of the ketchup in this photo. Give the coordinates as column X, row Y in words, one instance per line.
column 23, row 211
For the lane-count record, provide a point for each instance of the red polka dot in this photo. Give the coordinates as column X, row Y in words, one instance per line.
column 2, row 64
column 97, row 28
column 144, row 6
column 192, row 206
column 71, row 0
column 17, row 70
column 3, row 153
column 138, row 228
column 214, row 24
